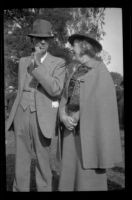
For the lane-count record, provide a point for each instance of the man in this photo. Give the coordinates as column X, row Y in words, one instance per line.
column 33, row 115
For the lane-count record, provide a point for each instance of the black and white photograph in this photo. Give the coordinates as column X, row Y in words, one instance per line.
column 64, row 99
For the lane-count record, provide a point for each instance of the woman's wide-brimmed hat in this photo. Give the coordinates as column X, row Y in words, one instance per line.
column 41, row 28
column 89, row 38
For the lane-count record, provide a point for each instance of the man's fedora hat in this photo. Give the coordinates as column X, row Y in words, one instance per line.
column 41, row 28
column 89, row 38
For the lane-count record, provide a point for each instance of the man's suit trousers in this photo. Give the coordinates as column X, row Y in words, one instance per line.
column 30, row 142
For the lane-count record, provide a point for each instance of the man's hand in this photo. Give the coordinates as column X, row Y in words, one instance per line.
column 37, row 57
column 35, row 61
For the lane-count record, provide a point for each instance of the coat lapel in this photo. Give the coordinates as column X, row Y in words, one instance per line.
column 92, row 64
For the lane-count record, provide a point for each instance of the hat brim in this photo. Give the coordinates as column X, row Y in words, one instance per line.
column 40, row 35
column 90, row 40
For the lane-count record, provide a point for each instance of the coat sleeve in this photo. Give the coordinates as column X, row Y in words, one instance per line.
column 52, row 83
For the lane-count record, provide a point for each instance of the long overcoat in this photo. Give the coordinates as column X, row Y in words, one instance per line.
column 50, row 76
column 99, row 123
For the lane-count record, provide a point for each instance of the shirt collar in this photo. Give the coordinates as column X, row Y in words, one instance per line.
column 43, row 58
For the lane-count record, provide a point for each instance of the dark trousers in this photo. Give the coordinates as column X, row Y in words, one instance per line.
column 73, row 176
column 30, row 142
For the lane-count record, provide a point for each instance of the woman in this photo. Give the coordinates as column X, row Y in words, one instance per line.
column 88, row 111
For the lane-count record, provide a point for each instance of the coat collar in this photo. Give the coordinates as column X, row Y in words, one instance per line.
column 92, row 63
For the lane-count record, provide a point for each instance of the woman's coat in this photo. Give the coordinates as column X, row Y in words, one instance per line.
column 99, row 123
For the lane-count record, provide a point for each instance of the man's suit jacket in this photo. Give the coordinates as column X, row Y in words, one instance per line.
column 50, row 76
column 99, row 123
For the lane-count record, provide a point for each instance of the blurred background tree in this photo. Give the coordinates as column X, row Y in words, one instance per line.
column 119, row 86
column 117, row 78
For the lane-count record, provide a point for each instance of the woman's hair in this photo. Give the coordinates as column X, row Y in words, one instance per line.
column 87, row 48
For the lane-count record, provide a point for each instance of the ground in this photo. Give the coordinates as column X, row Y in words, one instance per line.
column 116, row 175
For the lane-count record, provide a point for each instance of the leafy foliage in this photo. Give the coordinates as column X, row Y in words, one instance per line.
column 92, row 21
column 117, row 78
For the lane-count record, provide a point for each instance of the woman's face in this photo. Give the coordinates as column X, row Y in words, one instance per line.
column 77, row 49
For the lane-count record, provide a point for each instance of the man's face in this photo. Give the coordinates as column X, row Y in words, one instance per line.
column 40, row 44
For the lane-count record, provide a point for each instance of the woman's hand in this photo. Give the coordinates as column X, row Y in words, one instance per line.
column 68, row 121
column 76, row 116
